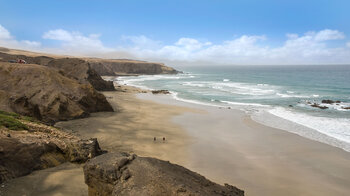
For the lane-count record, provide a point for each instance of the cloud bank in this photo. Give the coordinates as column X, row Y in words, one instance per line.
column 315, row 47
column 7, row 40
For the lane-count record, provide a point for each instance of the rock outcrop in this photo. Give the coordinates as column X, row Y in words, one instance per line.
column 44, row 93
column 160, row 92
column 125, row 174
column 81, row 71
column 74, row 68
column 328, row 101
column 39, row 146
column 113, row 67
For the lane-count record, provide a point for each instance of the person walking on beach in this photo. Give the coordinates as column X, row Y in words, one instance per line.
column 154, row 139
column 163, row 139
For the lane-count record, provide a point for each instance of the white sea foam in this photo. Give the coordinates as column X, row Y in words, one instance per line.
column 225, row 80
column 289, row 96
column 174, row 95
column 234, row 88
column 244, row 104
column 338, row 128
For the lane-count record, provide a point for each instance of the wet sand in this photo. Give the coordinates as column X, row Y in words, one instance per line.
column 229, row 147
column 224, row 145
column 65, row 179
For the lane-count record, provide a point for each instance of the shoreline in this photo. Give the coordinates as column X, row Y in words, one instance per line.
column 262, row 160
column 224, row 145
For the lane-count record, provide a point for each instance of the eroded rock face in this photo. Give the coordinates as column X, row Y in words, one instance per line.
column 44, row 93
column 19, row 159
column 125, row 174
column 106, row 67
column 41, row 147
column 73, row 68
column 81, row 71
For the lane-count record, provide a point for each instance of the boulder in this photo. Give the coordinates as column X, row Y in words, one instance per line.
column 328, row 101
column 315, row 105
column 125, row 174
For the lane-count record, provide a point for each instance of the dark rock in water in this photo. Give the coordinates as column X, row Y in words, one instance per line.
column 160, row 92
column 346, row 108
column 291, row 106
column 315, row 105
column 328, row 101
column 125, row 174
column 338, row 101
column 323, row 107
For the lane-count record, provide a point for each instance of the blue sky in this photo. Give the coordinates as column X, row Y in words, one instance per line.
column 152, row 29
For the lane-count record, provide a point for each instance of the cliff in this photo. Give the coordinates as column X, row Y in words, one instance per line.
column 112, row 67
column 46, row 94
column 72, row 67
column 81, row 71
column 125, row 174
column 27, row 145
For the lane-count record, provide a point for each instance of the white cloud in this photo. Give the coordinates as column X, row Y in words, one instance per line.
column 309, row 48
column 312, row 47
column 329, row 34
column 7, row 40
column 31, row 43
column 191, row 44
column 142, row 42
column 58, row 34
column 4, row 33
column 76, row 43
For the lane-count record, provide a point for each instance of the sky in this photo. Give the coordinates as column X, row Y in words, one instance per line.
column 186, row 32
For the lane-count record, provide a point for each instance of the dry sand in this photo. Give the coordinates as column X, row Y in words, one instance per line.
column 223, row 145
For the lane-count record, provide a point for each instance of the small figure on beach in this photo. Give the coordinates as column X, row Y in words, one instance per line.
column 163, row 139
column 154, row 139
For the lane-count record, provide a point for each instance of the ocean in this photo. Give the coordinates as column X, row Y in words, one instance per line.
column 285, row 97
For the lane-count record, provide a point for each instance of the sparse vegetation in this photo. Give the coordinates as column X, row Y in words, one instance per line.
column 11, row 121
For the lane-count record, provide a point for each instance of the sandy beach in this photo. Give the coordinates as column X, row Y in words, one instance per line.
column 224, row 145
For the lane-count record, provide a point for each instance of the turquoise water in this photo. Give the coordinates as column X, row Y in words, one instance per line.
column 283, row 91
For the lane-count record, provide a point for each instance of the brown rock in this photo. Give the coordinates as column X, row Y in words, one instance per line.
column 160, row 92
column 328, row 101
column 81, row 70
column 124, row 174
column 41, row 92
column 113, row 67
column 19, row 159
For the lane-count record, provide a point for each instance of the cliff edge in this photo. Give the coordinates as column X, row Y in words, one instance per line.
column 113, row 67
column 125, row 174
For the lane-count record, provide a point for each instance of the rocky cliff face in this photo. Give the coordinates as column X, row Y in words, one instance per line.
column 47, row 94
column 38, row 146
column 74, row 68
column 124, row 174
column 113, row 67
column 81, row 71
